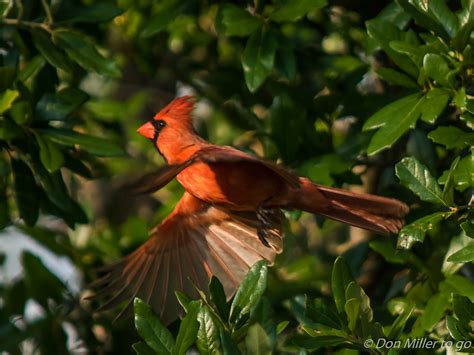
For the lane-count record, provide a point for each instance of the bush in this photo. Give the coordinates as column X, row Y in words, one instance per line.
column 379, row 96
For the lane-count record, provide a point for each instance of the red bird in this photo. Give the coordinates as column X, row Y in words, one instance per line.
column 228, row 218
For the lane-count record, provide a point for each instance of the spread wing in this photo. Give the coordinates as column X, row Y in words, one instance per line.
column 195, row 242
column 211, row 154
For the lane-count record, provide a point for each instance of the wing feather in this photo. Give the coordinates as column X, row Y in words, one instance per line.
column 194, row 243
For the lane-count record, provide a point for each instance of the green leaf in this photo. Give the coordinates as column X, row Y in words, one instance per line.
column 439, row 11
column 352, row 308
column 415, row 232
column 235, row 21
column 25, row 192
column 456, row 330
column 6, row 99
column 142, row 349
column 92, row 13
column 458, row 284
column 365, row 313
column 341, row 277
column 395, row 77
column 399, row 323
column 417, row 178
column 33, row 67
column 36, row 273
column 151, row 329
column 286, row 63
column 295, row 9
column 460, row 99
column 435, row 102
column 50, row 154
column 413, row 50
column 262, row 314
column 434, row 310
column 322, row 339
column 383, row 33
column 229, row 347
column 59, row 106
column 183, row 299
column 321, row 313
column 83, row 51
column 21, row 112
column 50, row 52
column 395, row 126
column 451, row 137
column 468, row 228
column 249, row 292
column 448, row 190
column 218, row 297
column 7, row 77
column 258, row 57
column 394, row 13
column 167, row 11
column 282, row 326
column 386, row 114
column 437, row 69
column 8, row 130
column 257, row 341
column 188, row 329
column 395, row 256
column 422, row 18
column 465, row 255
column 466, row 17
column 283, row 107
column 463, row 308
column 208, row 338
column 463, row 174
column 94, row 145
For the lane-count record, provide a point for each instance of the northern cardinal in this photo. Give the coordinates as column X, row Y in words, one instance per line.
column 228, row 218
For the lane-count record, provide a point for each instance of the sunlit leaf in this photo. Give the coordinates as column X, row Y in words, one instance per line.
column 415, row 232
column 188, row 329
column 249, row 292
column 6, row 99
column 418, row 179
column 451, row 137
column 464, row 255
column 151, row 329
column 340, row 279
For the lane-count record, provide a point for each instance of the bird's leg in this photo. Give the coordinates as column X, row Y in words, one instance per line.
column 263, row 216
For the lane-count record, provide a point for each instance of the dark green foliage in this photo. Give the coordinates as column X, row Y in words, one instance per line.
column 378, row 92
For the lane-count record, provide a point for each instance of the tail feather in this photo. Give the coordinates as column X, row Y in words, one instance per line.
column 371, row 212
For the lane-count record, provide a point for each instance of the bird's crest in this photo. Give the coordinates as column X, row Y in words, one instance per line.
column 178, row 108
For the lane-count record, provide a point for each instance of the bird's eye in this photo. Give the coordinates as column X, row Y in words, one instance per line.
column 159, row 124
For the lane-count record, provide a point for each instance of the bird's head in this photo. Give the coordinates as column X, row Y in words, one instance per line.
column 175, row 116
column 171, row 129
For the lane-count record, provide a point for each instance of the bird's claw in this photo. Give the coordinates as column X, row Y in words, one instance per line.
column 262, row 237
column 263, row 217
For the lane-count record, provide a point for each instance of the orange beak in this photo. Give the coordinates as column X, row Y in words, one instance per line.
column 147, row 130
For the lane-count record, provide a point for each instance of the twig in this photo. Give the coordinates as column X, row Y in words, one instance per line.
column 20, row 23
column 47, row 10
